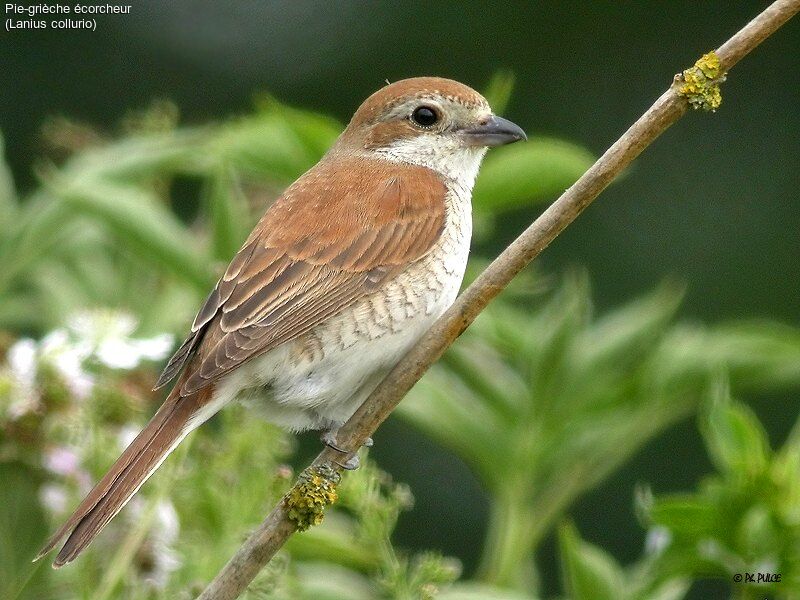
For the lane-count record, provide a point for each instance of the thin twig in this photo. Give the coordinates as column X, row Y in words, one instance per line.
column 265, row 541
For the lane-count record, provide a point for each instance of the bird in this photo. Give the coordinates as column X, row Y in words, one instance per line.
column 343, row 273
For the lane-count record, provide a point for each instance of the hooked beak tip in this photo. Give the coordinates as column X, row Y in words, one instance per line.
column 495, row 131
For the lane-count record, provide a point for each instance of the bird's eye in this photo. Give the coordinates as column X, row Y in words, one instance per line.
column 425, row 116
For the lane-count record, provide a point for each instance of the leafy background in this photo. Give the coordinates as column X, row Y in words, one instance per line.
column 576, row 428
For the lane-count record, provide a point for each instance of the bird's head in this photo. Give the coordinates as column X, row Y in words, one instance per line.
column 432, row 122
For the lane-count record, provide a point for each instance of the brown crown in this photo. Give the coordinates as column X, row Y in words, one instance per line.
column 416, row 87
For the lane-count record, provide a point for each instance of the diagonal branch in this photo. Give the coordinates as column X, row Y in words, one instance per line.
column 697, row 87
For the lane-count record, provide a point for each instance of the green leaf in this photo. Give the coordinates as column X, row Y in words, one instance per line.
column 557, row 325
column 758, row 531
column 142, row 223
column 142, row 155
column 271, row 145
column 529, row 172
column 589, row 573
column 673, row 589
column 480, row 591
column 685, row 515
column 42, row 225
column 499, row 90
column 627, row 332
column 315, row 131
column 227, row 209
column 329, row 581
column 736, row 440
column 22, row 529
column 8, row 194
column 20, row 312
column 449, row 412
column 758, row 353
column 785, row 468
column 498, row 384
column 336, row 542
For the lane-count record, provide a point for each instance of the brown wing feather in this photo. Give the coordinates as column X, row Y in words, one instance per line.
column 327, row 242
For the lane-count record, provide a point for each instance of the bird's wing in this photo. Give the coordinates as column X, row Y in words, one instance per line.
column 327, row 242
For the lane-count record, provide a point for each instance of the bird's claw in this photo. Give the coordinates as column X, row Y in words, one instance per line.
column 352, row 462
column 328, row 438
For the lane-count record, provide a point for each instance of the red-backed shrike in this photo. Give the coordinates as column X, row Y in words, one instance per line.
column 337, row 281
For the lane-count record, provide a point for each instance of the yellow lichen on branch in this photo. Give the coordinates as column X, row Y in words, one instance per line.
column 306, row 501
column 700, row 83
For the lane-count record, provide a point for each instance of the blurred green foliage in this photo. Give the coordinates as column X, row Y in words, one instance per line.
column 542, row 399
column 544, row 403
column 745, row 519
column 741, row 525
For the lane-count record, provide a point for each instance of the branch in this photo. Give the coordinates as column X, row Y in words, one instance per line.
column 696, row 87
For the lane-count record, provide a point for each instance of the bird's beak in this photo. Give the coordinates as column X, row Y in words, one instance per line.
column 494, row 131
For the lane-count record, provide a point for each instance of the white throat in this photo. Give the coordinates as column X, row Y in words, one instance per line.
column 449, row 158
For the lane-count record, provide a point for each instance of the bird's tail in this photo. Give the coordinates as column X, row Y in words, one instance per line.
column 173, row 421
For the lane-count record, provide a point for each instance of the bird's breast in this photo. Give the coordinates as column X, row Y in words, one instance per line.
column 425, row 289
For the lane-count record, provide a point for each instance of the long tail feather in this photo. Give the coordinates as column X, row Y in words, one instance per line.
column 173, row 421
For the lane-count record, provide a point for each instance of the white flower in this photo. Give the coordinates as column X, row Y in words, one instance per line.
column 126, row 436
column 164, row 535
column 128, row 353
column 658, row 539
column 156, row 347
column 99, row 325
column 156, row 551
column 21, row 359
column 168, row 524
column 53, row 497
column 109, row 334
column 100, row 335
column 67, row 357
column 61, row 461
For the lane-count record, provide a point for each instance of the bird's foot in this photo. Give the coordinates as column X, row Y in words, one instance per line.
column 351, row 462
